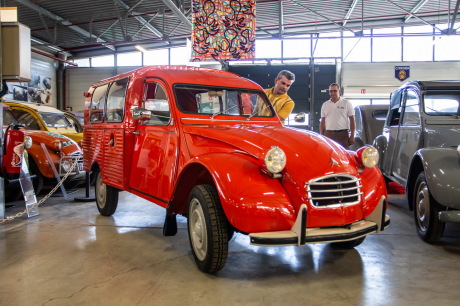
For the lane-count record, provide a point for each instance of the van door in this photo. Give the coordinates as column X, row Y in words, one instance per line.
column 408, row 139
column 113, row 138
column 156, row 147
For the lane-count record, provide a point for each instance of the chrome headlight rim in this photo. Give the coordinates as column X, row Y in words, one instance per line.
column 66, row 165
column 275, row 160
column 369, row 157
column 27, row 142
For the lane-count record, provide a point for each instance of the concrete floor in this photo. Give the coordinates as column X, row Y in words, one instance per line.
column 71, row 255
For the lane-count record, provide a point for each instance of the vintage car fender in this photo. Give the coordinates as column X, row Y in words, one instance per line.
column 380, row 143
column 442, row 169
column 252, row 201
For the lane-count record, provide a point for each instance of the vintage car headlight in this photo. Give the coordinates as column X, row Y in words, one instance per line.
column 66, row 164
column 368, row 156
column 275, row 160
column 56, row 146
column 27, row 142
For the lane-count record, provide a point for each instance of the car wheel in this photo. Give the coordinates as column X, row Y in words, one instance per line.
column 207, row 229
column 106, row 197
column 426, row 210
column 348, row 244
column 12, row 192
column 38, row 180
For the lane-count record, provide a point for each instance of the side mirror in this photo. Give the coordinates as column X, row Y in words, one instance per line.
column 140, row 113
column 300, row 117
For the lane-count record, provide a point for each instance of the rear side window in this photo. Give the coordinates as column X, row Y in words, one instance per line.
column 98, row 103
column 116, row 101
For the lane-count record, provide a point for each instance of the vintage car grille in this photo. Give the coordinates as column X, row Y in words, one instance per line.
column 334, row 190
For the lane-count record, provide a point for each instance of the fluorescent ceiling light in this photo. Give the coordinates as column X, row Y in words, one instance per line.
column 140, row 48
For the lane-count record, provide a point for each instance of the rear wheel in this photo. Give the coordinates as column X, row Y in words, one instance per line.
column 348, row 244
column 106, row 197
column 426, row 211
column 207, row 229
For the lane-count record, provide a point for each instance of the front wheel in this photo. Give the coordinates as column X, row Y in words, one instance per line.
column 106, row 197
column 426, row 211
column 207, row 229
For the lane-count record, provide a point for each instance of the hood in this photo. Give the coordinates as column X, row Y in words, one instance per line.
column 305, row 150
column 69, row 146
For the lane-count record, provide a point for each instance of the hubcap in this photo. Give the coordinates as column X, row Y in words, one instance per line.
column 197, row 228
column 100, row 187
column 422, row 203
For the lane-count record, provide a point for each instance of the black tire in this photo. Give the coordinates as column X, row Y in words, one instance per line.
column 426, row 209
column 346, row 245
column 38, row 180
column 13, row 192
column 207, row 229
column 106, row 197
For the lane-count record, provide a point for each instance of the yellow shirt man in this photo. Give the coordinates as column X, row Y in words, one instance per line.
column 278, row 97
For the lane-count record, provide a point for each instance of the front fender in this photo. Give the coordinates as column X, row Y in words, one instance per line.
column 442, row 169
column 253, row 202
column 380, row 143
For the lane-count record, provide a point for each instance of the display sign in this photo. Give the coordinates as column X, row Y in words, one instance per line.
column 402, row 72
column 223, row 30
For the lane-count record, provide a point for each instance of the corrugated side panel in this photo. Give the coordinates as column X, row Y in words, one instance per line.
column 113, row 173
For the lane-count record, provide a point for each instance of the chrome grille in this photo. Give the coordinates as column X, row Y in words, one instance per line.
column 334, row 190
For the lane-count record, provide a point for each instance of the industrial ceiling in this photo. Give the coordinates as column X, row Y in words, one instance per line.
column 82, row 28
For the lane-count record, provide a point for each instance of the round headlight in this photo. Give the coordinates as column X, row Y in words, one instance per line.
column 27, row 142
column 66, row 165
column 275, row 160
column 370, row 157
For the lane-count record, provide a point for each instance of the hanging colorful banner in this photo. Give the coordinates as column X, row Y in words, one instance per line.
column 223, row 30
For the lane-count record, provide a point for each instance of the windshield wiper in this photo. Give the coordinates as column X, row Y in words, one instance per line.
column 224, row 111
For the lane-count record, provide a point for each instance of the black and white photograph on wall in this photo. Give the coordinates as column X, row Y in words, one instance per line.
column 38, row 90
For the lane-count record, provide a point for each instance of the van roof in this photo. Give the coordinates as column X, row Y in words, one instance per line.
column 187, row 74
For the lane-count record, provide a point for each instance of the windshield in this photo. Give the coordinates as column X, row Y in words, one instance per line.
column 217, row 101
column 442, row 103
column 8, row 117
column 57, row 121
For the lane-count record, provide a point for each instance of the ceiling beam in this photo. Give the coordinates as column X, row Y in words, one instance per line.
column 140, row 19
column 179, row 14
column 415, row 9
column 55, row 17
column 350, row 11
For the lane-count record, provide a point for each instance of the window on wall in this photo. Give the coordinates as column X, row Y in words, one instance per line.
column 129, row 59
column 356, row 49
column 326, row 45
column 83, row 62
column 103, row 61
column 180, row 56
column 294, row 48
column 446, row 46
column 268, row 48
column 156, row 57
column 418, row 48
column 386, row 49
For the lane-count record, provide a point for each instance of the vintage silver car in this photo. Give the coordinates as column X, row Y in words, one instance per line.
column 369, row 123
column 419, row 149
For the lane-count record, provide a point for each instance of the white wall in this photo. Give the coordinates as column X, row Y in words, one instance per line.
column 378, row 80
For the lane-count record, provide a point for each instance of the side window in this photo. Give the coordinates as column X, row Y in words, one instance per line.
column 25, row 118
column 98, row 104
column 116, row 101
column 156, row 101
column 395, row 108
column 411, row 114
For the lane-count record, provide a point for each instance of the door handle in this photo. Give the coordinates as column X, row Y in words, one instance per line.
column 137, row 133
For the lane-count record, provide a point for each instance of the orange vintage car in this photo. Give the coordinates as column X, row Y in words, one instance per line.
column 193, row 141
column 62, row 150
